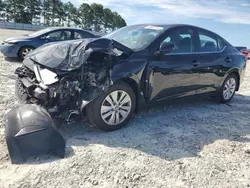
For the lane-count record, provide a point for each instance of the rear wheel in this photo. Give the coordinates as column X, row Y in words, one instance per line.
column 24, row 51
column 112, row 110
column 228, row 88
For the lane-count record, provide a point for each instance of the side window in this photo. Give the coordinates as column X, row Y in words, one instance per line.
column 81, row 35
column 183, row 39
column 59, row 35
column 208, row 42
column 67, row 35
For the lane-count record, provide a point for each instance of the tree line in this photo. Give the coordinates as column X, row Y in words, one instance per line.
column 56, row 13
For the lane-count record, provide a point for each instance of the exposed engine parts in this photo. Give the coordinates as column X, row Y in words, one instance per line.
column 67, row 90
column 24, row 72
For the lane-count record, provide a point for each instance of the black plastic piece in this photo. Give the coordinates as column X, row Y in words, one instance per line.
column 30, row 131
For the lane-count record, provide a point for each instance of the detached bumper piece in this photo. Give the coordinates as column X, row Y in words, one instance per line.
column 30, row 131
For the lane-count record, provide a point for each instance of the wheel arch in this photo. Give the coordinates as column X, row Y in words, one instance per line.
column 23, row 46
column 131, row 83
column 132, row 76
column 135, row 87
column 236, row 73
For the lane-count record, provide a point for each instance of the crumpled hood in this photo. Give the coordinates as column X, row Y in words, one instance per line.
column 67, row 55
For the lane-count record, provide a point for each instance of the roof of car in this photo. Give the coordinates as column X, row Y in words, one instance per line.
column 79, row 29
column 167, row 26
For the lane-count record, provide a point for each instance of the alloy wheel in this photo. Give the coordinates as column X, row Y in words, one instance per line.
column 116, row 107
column 26, row 51
column 229, row 88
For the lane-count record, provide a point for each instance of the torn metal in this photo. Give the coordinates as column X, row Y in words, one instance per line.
column 66, row 76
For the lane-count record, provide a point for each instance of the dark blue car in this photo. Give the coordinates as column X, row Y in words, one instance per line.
column 21, row 46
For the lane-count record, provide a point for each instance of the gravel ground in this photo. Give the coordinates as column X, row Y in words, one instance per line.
column 186, row 143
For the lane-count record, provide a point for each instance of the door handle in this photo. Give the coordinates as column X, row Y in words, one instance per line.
column 228, row 59
column 195, row 63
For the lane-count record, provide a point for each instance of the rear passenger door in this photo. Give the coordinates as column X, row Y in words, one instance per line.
column 213, row 57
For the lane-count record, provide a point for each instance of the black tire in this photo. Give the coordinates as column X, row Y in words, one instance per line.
column 93, row 110
column 222, row 99
column 21, row 51
column 20, row 92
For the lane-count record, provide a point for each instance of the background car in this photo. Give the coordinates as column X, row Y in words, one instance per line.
column 244, row 51
column 240, row 48
column 21, row 46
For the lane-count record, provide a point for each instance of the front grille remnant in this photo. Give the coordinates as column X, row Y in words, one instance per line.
column 24, row 72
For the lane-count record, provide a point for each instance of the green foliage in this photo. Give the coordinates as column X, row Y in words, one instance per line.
column 56, row 13
column 20, row 11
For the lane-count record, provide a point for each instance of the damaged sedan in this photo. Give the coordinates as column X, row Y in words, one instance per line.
column 107, row 79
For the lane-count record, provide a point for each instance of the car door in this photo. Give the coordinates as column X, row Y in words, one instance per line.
column 213, row 57
column 174, row 74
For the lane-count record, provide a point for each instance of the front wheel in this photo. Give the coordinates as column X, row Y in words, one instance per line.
column 23, row 52
column 113, row 109
column 228, row 88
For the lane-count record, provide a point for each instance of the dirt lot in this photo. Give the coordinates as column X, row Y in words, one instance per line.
column 187, row 143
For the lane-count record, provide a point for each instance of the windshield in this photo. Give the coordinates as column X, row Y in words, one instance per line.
column 40, row 32
column 135, row 37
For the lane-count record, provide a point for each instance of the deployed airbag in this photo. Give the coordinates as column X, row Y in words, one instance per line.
column 30, row 131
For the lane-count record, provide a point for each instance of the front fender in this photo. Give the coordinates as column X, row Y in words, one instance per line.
column 123, row 71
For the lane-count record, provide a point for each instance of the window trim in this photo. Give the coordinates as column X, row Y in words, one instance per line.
column 154, row 46
column 197, row 53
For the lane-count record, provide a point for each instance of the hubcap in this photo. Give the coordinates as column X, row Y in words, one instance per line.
column 229, row 88
column 26, row 51
column 116, row 107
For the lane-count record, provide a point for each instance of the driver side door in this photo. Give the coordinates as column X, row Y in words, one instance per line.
column 174, row 74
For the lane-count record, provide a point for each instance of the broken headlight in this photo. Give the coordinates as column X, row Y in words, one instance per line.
column 45, row 76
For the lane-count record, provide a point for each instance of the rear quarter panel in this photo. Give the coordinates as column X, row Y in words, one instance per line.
column 238, row 64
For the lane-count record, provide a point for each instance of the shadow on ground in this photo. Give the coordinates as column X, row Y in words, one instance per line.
column 12, row 59
column 172, row 130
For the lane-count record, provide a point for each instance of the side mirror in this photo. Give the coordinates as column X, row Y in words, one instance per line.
column 166, row 47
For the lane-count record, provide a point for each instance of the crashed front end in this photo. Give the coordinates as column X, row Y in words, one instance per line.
column 57, row 79
column 64, row 77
